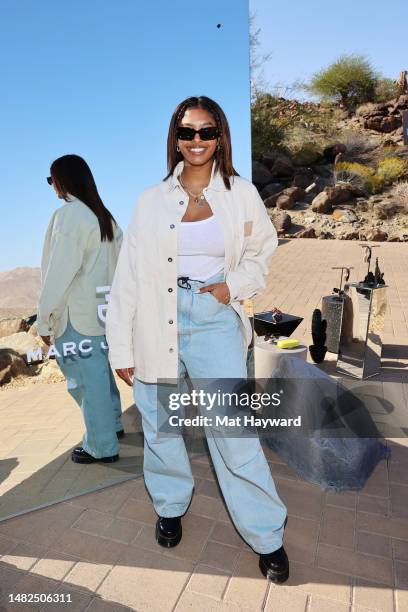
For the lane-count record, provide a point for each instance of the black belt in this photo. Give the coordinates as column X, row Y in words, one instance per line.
column 183, row 282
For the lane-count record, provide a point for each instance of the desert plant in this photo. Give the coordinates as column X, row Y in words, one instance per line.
column 358, row 175
column 267, row 125
column 386, row 89
column 364, row 108
column 358, row 143
column 318, row 348
column 350, row 80
column 371, row 180
column 399, row 193
column 390, row 169
column 319, row 326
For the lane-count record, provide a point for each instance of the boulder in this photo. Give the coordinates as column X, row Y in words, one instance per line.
column 376, row 235
column 297, row 193
column 271, row 201
column 303, row 177
column 271, row 189
column 21, row 343
column 260, row 174
column 12, row 326
column 351, row 235
column 402, row 102
column 344, row 215
column 362, row 206
column 33, row 330
column 11, row 365
column 285, row 201
column 306, row 155
column 281, row 221
column 282, row 168
column 340, row 193
column 386, row 210
column 321, row 203
column 381, row 123
column 50, row 372
column 330, row 152
column 324, row 171
column 269, row 159
column 306, row 233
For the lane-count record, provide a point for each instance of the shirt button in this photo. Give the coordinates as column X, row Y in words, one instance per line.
column 170, row 290
column 181, row 202
column 171, row 321
column 170, row 259
column 172, row 226
column 171, row 350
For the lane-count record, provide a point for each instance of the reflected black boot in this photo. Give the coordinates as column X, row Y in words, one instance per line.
column 168, row 531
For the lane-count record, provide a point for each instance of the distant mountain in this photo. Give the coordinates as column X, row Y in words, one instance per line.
column 19, row 291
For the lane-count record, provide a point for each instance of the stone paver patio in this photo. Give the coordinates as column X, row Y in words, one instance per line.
column 348, row 551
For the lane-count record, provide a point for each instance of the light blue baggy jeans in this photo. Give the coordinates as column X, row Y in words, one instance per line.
column 91, row 383
column 211, row 346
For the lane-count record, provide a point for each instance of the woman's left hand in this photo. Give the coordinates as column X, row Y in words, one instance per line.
column 219, row 290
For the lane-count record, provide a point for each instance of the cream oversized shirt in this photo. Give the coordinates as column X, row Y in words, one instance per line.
column 141, row 324
column 76, row 271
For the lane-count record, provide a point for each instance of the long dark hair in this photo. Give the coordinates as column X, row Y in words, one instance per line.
column 223, row 155
column 74, row 177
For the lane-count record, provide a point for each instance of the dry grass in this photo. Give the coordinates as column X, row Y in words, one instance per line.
column 358, row 143
column 399, row 193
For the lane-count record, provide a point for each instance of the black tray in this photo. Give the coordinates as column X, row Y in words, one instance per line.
column 264, row 325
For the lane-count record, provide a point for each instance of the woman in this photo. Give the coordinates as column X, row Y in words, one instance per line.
column 199, row 243
column 79, row 257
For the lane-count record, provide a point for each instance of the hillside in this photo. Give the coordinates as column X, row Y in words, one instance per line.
column 19, row 291
column 328, row 173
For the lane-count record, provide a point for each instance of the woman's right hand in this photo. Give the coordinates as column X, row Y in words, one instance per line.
column 126, row 374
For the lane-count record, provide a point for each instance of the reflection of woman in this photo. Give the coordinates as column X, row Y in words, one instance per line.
column 80, row 253
column 199, row 243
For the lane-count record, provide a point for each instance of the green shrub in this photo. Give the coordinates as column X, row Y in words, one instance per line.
column 350, row 80
column 385, row 90
column 267, row 126
column 391, row 169
column 371, row 180
column 360, row 176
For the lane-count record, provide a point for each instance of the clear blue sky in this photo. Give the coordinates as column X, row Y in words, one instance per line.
column 101, row 78
column 304, row 36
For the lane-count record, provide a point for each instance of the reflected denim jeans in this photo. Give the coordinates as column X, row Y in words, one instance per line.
column 211, row 346
column 91, row 383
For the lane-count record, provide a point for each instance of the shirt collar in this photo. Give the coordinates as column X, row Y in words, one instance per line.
column 216, row 180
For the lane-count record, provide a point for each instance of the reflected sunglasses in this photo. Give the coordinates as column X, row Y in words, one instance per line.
column 207, row 133
column 49, row 180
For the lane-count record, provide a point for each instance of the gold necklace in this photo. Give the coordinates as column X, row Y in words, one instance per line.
column 198, row 198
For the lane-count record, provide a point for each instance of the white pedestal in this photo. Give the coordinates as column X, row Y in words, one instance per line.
column 267, row 355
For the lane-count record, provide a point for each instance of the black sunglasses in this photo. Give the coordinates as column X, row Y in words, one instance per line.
column 207, row 133
column 49, row 180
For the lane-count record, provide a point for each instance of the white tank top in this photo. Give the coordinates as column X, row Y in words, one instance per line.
column 200, row 249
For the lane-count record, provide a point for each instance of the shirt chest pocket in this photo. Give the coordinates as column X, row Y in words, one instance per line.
column 248, row 225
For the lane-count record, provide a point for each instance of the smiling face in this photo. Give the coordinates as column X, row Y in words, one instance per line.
column 197, row 152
